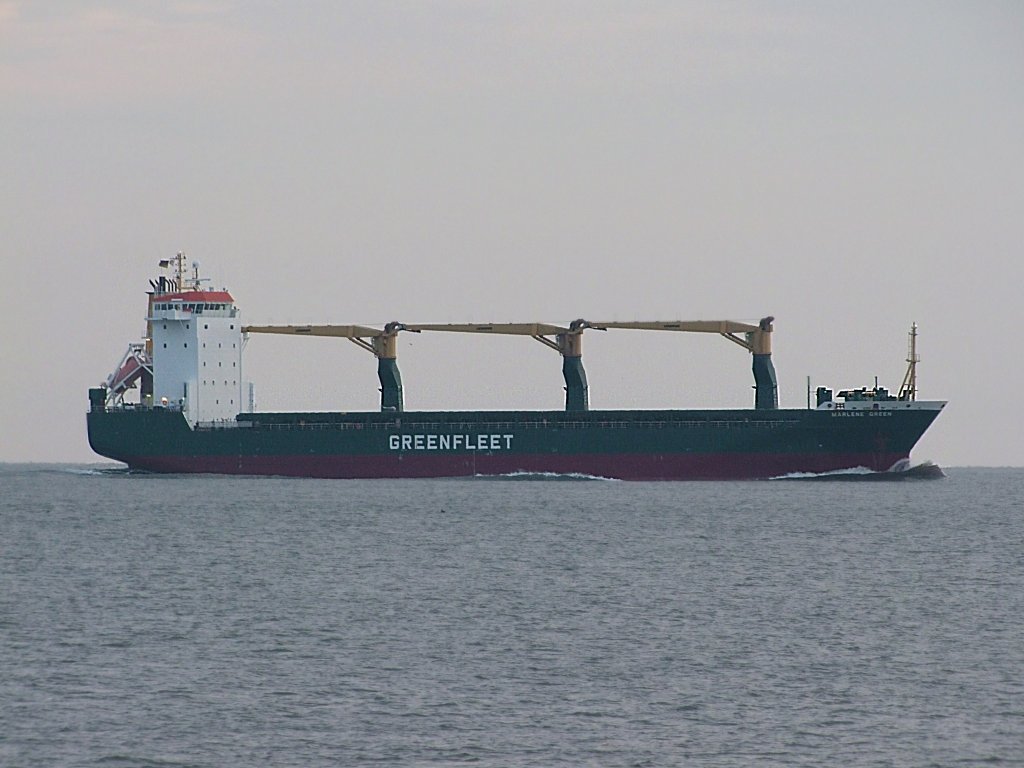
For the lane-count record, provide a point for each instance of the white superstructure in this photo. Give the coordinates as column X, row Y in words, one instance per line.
column 196, row 337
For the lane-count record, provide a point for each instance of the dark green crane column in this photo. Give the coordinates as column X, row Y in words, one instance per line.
column 576, row 394
column 385, row 347
column 766, row 387
column 570, row 345
column 390, row 385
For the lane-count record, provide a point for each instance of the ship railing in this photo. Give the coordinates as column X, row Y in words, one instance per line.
column 134, row 407
column 488, row 426
column 217, row 424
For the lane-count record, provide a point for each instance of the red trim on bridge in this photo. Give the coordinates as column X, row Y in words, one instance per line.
column 196, row 297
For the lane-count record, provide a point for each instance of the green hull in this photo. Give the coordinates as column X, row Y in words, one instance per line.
column 664, row 445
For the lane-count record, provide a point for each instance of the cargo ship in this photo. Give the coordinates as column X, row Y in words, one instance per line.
column 178, row 402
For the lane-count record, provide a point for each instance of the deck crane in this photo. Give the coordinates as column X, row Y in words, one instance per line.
column 756, row 339
column 567, row 341
column 380, row 342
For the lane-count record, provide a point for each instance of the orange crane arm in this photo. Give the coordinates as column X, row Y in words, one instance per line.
column 382, row 340
column 756, row 338
column 509, row 329
column 338, row 331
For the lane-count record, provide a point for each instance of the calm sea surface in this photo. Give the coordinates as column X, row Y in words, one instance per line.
column 210, row 621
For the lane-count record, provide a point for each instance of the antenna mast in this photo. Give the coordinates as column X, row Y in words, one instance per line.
column 908, row 391
column 177, row 283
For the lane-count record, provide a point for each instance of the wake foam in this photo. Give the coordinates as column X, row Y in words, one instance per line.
column 96, row 471
column 855, row 471
column 902, row 470
column 523, row 475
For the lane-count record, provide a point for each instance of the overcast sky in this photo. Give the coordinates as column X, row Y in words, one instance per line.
column 846, row 167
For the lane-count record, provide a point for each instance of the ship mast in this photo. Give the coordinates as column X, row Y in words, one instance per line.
column 908, row 390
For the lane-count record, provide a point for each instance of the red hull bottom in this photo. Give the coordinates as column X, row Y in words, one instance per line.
column 722, row 466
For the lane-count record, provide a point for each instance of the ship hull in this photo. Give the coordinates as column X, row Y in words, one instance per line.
column 628, row 445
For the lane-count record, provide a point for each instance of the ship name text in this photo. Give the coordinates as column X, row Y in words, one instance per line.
column 860, row 414
column 432, row 442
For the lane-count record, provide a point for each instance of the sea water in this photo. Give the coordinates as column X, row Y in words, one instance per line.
column 151, row 620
